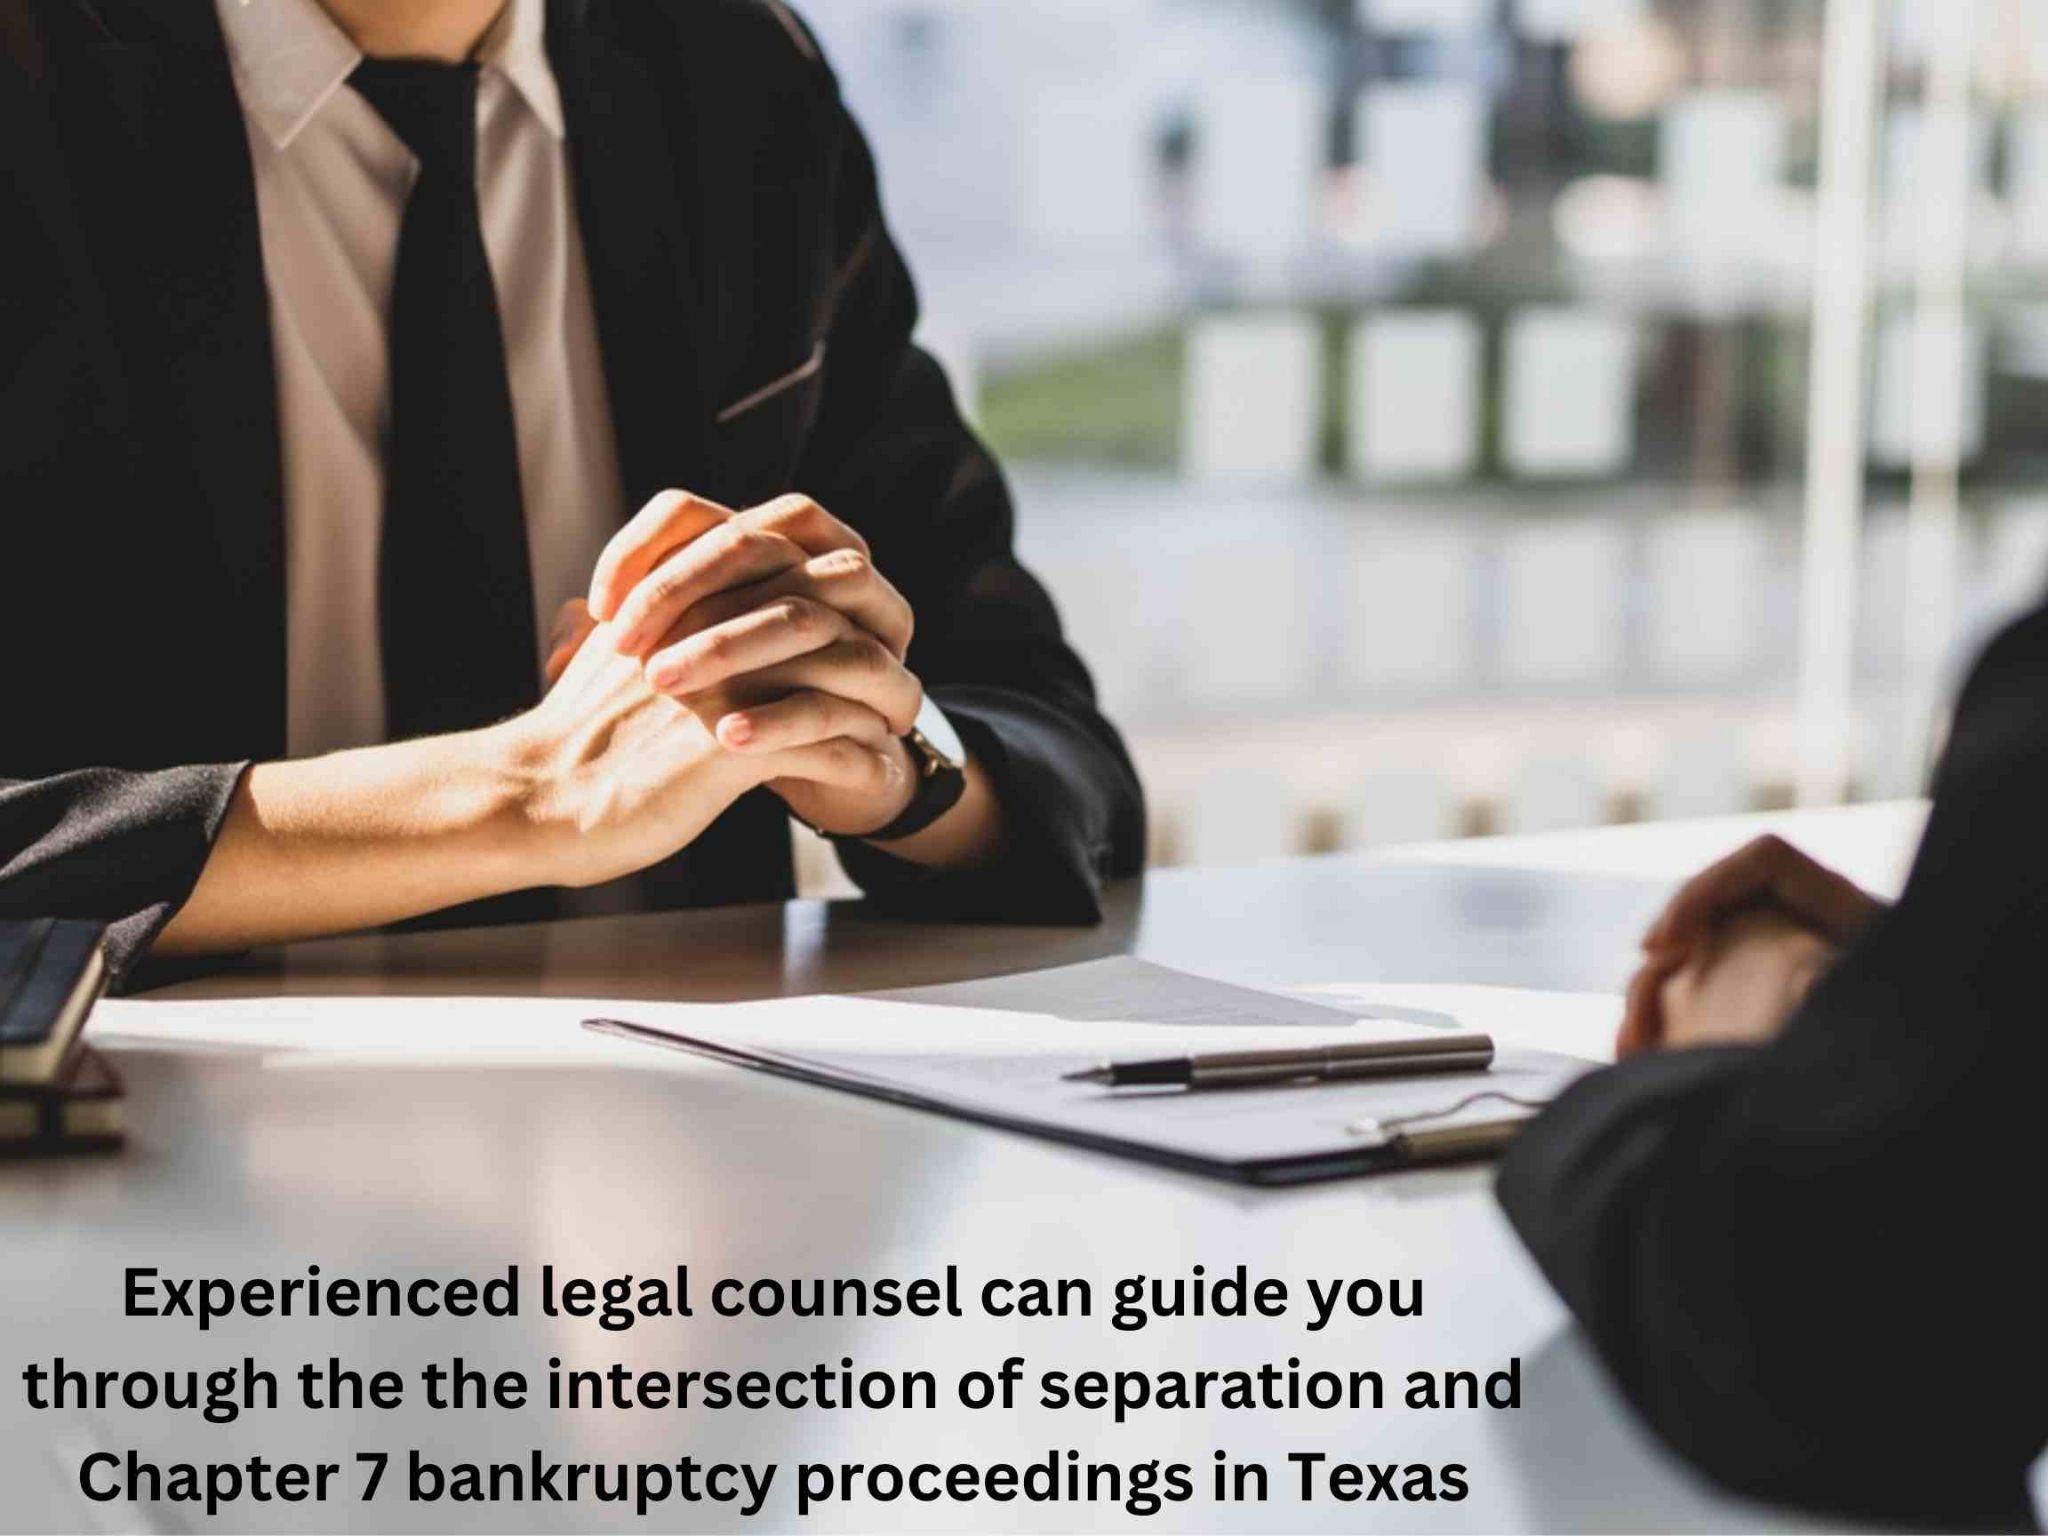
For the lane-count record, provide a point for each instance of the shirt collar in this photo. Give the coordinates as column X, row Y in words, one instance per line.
column 517, row 47
column 290, row 57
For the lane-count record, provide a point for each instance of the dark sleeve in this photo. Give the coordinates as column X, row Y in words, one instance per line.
column 119, row 847
column 891, row 455
column 1815, row 1267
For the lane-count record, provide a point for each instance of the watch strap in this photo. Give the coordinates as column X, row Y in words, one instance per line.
column 940, row 787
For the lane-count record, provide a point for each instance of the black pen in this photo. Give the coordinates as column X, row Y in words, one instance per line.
column 1241, row 1069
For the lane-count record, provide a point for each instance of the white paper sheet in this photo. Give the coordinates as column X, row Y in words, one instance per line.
column 1001, row 1049
column 1127, row 991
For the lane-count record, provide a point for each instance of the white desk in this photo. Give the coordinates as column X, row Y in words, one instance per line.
column 259, row 1161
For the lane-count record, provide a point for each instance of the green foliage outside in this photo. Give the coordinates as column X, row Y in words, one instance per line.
column 1117, row 404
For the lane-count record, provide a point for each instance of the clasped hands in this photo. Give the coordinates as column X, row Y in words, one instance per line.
column 720, row 651
column 1738, row 949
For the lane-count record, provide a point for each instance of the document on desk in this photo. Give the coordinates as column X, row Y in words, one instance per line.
column 998, row 1051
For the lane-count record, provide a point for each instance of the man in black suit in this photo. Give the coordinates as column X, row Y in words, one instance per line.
column 339, row 338
column 1797, row 1221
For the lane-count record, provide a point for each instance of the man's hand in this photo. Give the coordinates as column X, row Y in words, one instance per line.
column 1769, row 870
column 770, row 550
column 774, row 628
column 1769, row 875
column 601, row 779
column 619, row 776
column 1742, row 984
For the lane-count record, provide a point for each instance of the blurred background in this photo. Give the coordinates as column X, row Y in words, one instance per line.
column 1440, row 417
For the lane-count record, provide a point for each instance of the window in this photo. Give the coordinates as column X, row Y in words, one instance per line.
column 1447, row 416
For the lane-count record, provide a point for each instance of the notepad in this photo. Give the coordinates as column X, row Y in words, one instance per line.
column 995, row 1052
column 51, row 974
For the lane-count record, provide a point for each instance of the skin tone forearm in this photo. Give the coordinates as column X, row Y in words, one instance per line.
column 359, row 839
column 362, row 839
column 603, row 778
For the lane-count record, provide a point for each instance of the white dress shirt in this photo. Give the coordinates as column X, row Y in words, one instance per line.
column 331, row 186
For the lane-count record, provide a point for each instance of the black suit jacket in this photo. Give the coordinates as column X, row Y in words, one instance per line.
column 1816, row 1267
column 733, row 230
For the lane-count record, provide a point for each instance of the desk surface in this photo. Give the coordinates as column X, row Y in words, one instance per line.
column 252, row 1161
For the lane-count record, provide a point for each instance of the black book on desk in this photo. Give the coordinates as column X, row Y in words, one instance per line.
column 82, row 1110
column 51, row 973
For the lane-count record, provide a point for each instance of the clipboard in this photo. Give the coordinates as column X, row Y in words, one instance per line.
column 1268, row 1136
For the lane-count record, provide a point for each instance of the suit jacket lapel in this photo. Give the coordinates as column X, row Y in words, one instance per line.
column 642, row 227
column 176, row 200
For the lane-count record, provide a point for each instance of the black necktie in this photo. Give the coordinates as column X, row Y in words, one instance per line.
column 455, row 586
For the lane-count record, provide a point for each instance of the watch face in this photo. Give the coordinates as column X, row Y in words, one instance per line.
column 938, row 731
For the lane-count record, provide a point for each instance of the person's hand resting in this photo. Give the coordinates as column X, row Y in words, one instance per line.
column 1749, row 935
column 626, row 776
column 601, row 779
column 774, row 628
column 1741, row 983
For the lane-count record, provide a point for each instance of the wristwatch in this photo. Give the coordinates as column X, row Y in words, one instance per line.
column 940, row 760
